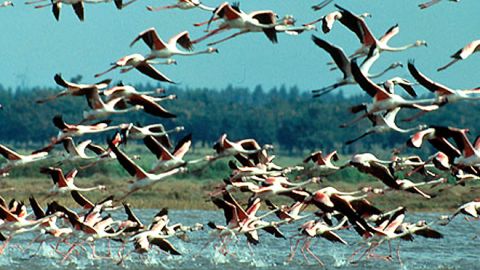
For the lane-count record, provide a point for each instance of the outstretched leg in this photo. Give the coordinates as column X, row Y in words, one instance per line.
column 211, row 33
column 229, row 37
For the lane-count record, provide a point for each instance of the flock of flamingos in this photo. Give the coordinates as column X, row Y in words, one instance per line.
column 253, row 170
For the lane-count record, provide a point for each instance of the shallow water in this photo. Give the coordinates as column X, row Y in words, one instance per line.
column 457, row 250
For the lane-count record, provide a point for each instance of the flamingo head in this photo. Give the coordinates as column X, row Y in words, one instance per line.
column 420, row 43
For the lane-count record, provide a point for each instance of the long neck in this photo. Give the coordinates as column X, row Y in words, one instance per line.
column 89, row 189
column 379, row 74
column 206, row 51
column 399, row 49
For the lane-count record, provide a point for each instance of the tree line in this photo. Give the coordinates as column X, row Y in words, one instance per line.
column 286, row 117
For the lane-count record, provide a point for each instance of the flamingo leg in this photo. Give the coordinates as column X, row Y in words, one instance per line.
column 47, row 5
column 302, row 249
column 5, row 244
column 70, row 250
column 307, row 247
column 229, row 37
column 293, row 250
column 34, row 2
column 150, row 8
column 355, row 120
column 205, row 22
column 106, row 71
column 211, row 33
column 448, row 65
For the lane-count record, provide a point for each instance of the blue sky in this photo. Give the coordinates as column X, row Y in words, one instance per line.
column 35, row 46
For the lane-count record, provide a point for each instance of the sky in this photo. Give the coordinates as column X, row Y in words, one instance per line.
column 35, row 46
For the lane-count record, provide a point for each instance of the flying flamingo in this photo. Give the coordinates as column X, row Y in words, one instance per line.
column 142, row 179
column 73, row 89
column 101, row 109
column 433, row 2
column 15, row 159
column 357, row 25
column 382, row 99
column 71, row 130
column 323, row 164
column 160, row 49
column 77, row 6
column 463, row 53
column 384, row 123
column 6, row 4
column 329, row 19
column 184, row 5
column 345, row 65
column 234, row 18
column 64, row 182
column 141, row 64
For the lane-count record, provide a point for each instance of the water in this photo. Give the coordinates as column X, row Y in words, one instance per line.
column 457, row 250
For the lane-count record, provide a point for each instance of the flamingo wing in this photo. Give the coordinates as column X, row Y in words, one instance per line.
column 150, row 37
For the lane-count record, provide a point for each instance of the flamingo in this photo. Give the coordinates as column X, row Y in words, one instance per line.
column 184, row 5
column 64, row 182
column 142, row 179
column 234, row 18
column 101, row 109
column 141, row 64
column 73, row 89
column 329, row 19
column 433, row 2
column 126, row 91
column 160, row 49
column 284, row 25
column 77, row 6
column 463, row 53
column 224, row 147
column 384, row 123
column 357, row 25
column 71, row 130
column 323, row 164
column 312, row 229
column 15, row 159
column 471, row 209
column 166, row 160
column 382, row 99
column 345, row 65
column 158, row 131
column 105, row 204
column 448, row 94
column 6, row 4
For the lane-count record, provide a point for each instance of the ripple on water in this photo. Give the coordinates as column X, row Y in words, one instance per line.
column 452, row 252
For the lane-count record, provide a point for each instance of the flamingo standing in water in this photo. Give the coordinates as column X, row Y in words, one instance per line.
column 463, row 53
column 184, row 5
column 141, row 64
column 161, row 49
